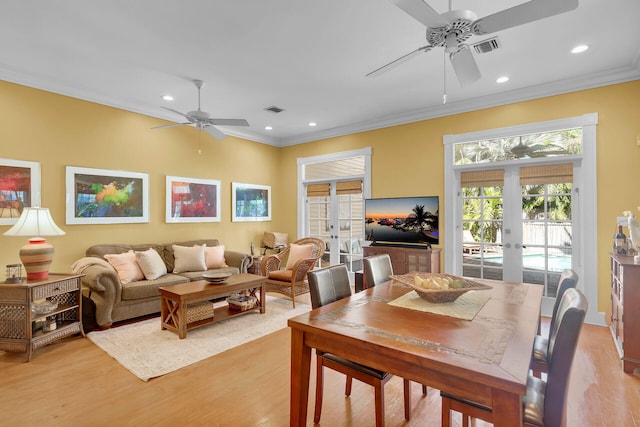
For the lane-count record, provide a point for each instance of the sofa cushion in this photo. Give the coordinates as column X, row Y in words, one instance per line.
column 149, row 288
column 189, row 258
column 151, row 264
column 214, row 257
column 298, row 252
column 169, row 257
column 126, row 266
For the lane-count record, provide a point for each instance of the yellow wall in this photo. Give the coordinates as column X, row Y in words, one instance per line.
column 59, row 131
column 406, row 160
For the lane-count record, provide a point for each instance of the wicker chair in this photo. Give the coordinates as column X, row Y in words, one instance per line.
column 290, row 278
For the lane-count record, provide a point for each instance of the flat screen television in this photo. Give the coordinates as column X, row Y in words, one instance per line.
column 402, row 221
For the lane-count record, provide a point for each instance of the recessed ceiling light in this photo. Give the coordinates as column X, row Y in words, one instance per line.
column 580, row 48
column 268, row 128
column 167, row 97
column 312, row 124
column 502, row 79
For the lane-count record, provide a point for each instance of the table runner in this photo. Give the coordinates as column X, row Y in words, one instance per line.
column 465, row 307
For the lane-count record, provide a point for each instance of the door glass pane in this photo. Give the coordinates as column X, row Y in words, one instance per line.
column 482, row 225
column 318, row 221
column 351, row 220
column 547, row 234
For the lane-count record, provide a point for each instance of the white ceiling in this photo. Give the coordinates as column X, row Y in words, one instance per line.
column 307, row 57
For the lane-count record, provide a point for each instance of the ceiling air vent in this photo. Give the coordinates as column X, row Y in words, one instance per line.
column 487, row 46
column 274, row 109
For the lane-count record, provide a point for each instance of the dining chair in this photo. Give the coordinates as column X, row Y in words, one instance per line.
column 331, row 284
column 377, row 269
column 544, row 401
column 286, row 271
column 568, row 280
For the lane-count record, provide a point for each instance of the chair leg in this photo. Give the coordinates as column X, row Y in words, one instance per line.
column 319, row 389
column 407, row 399
column 293, row 296
column 424, row 389
column 347, row 386
column 379, row 397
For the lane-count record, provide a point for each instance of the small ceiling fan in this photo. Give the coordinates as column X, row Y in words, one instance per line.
column 202, row 120
column 451, row 29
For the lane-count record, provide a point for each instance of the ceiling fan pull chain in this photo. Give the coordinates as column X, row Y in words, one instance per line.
column 444, row 75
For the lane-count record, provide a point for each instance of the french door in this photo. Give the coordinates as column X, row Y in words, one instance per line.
column 518, row 223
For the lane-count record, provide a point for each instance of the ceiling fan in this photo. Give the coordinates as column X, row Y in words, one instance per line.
column 451, row 29
column 202, row 120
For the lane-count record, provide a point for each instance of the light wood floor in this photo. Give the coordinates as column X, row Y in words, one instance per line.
column 74, row 383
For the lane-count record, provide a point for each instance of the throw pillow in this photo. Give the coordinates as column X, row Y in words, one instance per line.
column 214, row 256
column 126, row 266
column 189, row 258
column 151, row 264
column 298, row 252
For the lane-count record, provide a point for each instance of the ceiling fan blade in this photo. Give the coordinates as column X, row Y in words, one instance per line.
column 171, row 125
column 524, row 13
column 465, row 66
column 176, row 111
column 228, row 122
column 398, row 61
column 422, row 12
column 215, row 132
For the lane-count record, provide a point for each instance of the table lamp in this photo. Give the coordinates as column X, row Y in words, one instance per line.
column 37, row 255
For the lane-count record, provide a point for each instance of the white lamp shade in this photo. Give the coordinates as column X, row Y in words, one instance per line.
column 35, row 222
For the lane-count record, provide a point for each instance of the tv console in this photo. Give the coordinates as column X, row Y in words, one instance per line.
column 406, row 259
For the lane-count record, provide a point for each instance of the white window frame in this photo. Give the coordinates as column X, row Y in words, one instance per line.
column 585, row 239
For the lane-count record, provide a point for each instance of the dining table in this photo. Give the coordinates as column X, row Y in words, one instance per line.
column 483, row 356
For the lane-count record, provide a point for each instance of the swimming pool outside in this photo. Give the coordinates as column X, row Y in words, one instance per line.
column 535, row 261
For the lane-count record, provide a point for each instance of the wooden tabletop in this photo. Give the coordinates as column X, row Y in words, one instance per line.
column 486, row 359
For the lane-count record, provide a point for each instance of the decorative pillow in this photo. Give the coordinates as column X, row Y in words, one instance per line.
column 298, row 252
column 214, row 256
column 189, row 258
column 126, row 266
column 151, row 264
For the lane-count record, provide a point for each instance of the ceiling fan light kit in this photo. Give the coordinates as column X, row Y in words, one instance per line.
column 452, row 29
column 202, row 120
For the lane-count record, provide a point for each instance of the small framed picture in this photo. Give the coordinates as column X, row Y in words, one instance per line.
column 250, row 202
column 192, row 200
column 19, row 188
column 102, row 196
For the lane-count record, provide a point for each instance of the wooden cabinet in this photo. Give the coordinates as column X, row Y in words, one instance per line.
column 625, row 319
column 405, row 260
column 21, row 329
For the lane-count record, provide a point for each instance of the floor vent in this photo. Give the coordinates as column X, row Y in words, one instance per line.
column 487, row 46
column 274, row 109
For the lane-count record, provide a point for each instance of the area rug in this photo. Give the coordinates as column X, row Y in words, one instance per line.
column 149, row 352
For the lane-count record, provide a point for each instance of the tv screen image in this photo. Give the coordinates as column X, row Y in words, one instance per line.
column 402, row 220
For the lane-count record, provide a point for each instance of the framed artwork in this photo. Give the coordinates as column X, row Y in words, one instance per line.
column 19, row 188
column 192, row 200
column 250, row 202
column 102, row 196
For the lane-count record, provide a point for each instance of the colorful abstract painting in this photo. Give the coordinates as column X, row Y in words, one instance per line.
column 100, row 196
column 251, row 202
column 192, row 200
column 19, row 188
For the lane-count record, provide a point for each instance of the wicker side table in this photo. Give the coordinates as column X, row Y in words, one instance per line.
column 255, row 267
column 19, row 330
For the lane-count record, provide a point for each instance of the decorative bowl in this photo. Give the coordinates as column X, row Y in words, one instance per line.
column 440, row 295
column 216, row 277
column 43, row 307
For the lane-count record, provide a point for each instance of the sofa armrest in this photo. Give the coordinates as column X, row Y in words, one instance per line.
column 105, row 289
column 238, row 259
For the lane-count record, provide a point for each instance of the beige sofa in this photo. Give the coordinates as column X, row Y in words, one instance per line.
column 116, row 301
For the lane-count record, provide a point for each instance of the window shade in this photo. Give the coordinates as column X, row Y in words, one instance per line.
column 318, row 190
column 485, row 178
column 546, row 174
column 349, row 187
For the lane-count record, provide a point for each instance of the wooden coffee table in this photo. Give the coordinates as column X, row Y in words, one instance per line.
column 176, row 299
